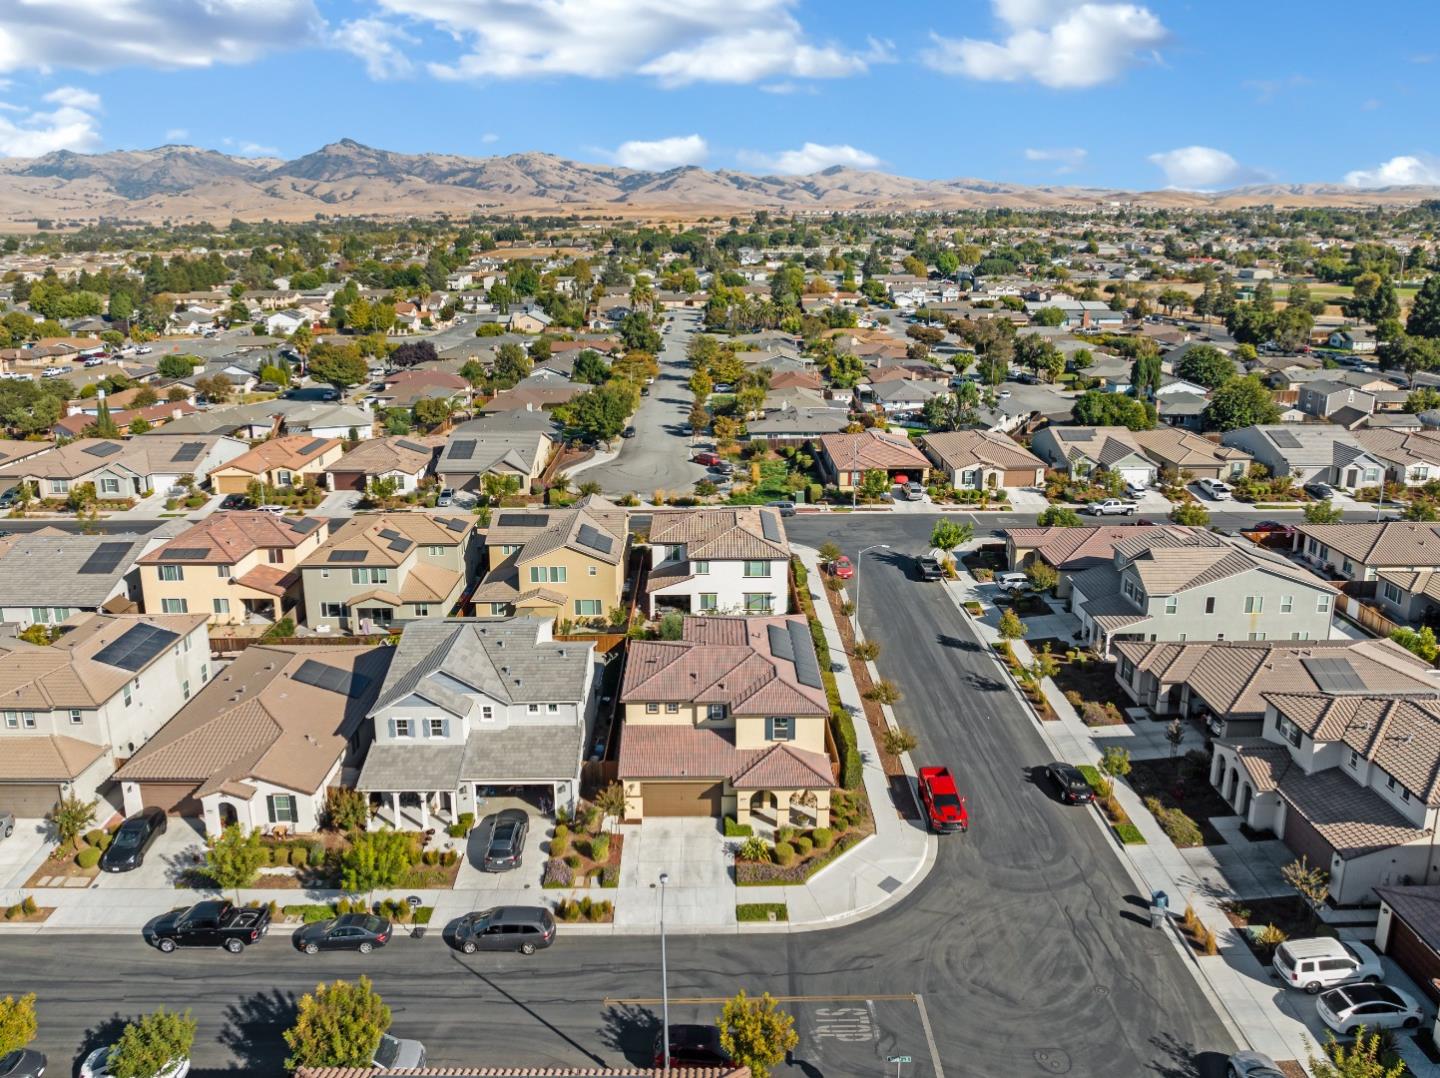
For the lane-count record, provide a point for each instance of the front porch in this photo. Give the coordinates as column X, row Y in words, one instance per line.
column 769, row 810
column 413, row 810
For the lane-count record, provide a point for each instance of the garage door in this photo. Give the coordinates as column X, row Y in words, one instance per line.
column 1414, row 956
column 347, row 480
column 176, row 798
column 31, row 800
column 682, row 798
column 1305, row 841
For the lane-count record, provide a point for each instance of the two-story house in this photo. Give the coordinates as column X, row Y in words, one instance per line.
column 1349, row 780
column 1363, row 552
column 265, row 740
column 46, row 577
column 563, row 563
column 379, row 569
column 732, row 560
column 71, row 711
column 469, row 704
column 237, row 568
column 727, row 720
column 1208, row 587
column 292, row 460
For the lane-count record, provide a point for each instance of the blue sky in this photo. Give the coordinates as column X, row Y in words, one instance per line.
column 1196, row 95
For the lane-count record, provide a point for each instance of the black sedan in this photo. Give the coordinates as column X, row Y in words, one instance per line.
column 235, row 501
column 507, row 841
column 1074, row 790
column 133, row 838
column 1323, row 491
column 691, row 1045
column 22, row 1063
column 361, row 932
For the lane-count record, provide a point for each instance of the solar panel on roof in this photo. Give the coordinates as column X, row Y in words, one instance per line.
column 414, row 447
column 188, row 451
column 1080, row 435
column 770, row 526
column 184, row 553
column 401, row 544
column 781, row 646
column 807, row 666
column 455, row 524
column 106, row 559
column 523, row 520
column 103, row 449
column 1333, row 674
column 463, row 450
column 305, row 525
column 330, row 678
column 1285, row 440
column 389, row 533
column 595, row 539
column 347, row 555
column 136, row 647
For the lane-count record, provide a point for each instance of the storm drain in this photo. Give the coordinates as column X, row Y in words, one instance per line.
column 889, row 885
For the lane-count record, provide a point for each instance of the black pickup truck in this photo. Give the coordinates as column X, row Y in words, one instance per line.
column 929, row 567
column 209, row 924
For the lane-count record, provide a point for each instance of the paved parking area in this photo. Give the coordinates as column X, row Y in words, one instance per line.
column 21, row 853
column 166, row 861
column 694, row 853
column 532, row 868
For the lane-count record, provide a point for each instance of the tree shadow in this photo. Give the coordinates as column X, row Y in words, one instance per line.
column 1175, row 1058
column 981, row 683
column 106, row 1031
column 252, row 1032
column 630, row 1029
column 947, row 641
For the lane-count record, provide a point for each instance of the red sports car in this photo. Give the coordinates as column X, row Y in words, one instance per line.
column 841, row 568
column 944, row 806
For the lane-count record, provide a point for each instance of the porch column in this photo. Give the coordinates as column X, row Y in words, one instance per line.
column 424, row 810
column 782, row 808
column 1217, row 771
column 742, row 807
column 822, row 808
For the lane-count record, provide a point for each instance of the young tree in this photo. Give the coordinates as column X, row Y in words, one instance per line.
column 338, row 1025
column 1057, row 516
column 1421, row 642
column 375, row 859
column 1115, row 762
column 610, row 800
column 152, row 1045
column 1323, row 513
column 948, row 534
column 233, row 858
column 755, row 1033
column 1011, row 628
column 1041, row 575
column 17, row 1023
column 874, row 484
column 71, row 817
column 1191, row 514
column 1175, row 735
column 1364, row 1058
column 1311, row 884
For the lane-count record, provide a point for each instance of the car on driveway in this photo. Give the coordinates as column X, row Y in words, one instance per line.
column 1252, row 1065
column 361, row 932
column 1374, row 1006
column 841, row 568
column 1012, row 582
column 692, row 1045
column 97, row 1065
column 1071, row 784
column 133, row 838
column 7, row 824
column 1214, row 489
column 235, row 501
column 944, row 807
column 446, row 498
column 1273, row 527
column 707, row 459
column 506, row 848
column 1322, row 491
column 214, row 923
column 1323, row 962
column 526, row 929
column 914, row 492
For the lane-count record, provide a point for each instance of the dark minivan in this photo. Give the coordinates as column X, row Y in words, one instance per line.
column 506, row 928
column 127, row 849
column 506, row 848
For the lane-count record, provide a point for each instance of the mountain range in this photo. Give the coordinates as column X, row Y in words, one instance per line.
column 346, row 178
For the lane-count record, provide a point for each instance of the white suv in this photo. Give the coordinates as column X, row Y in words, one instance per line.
column 1217, row 490
column 1313, row 964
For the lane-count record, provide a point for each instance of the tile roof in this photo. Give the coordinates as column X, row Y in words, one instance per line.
column 958, row 449
column 1354, row 819
column 39, row 758
column 1076, row 548
column 365, row 533
column 1424, row 582
column 1403, row 447
column 1392, row 544
column 378, row 456
column 1105, row 445
column 1418, row 905
column 289, row 451
column 226, row 538
column 144, row 456
column 1264, row 761
column 871, row 449
column 672, row 752
column 1184, row 449
column 732, row 533
column 724, row 1071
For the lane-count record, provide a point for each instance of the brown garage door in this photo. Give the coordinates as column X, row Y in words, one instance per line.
column 28, row 799
column 176, row 798
column 1304, row 840
column 682, row 798
column 1414, row 957
column 347, row 480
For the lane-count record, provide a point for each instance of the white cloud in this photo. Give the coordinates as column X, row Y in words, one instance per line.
column 812, row 157
column 30, row 132
column 1195, row 167
column 662, row 154
column 99, row 34
column 734, row 41
column 245, row 148
column 380, row 44
column 1063, row 44
column 1065, row 158
column 1403, row 171
column 177, row 134
column 489, row 136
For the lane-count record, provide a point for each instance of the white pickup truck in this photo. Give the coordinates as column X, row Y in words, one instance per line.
column 1112, row 507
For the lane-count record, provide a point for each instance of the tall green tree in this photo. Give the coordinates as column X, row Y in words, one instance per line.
column 152, row 1045
column 338, row 1025
column 17, row 1023
column 949, row 534
column 1424, row 320
column 339, row 366
column 1205, row 365
column 1097, row 409
column 1240, row 402
column 233, row 858
column 603, row 411
column 1145, row 374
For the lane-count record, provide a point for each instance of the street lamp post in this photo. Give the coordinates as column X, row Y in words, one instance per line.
column 858, row 557
column 664, row 978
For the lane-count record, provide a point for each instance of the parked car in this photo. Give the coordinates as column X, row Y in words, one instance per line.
column 361, row 932
column 707, row 459
column 133, row 838
column 1313, row 964
column 929, row 567
column 691, row 1045
column 214, row 923
column 446, row 497
column 506, row 928
column 506, row 848
column 1273, row 527
column 944, row 807
column 273, row 510
column 1136, row 490
column 1074, row 790
column 1012, row 582
column 97, row 1065
column 1322, row 491
column 22, row 1063
column 398, row 1054
column 7, row 824
column 1374, row 1006
column 787, row 509
column 723, row 468
column 10, row 497
column 628, row 432
column 841, row 568
column 234, row 501
column 1252, row 1065
column 1112, row 507
column 1214, row 489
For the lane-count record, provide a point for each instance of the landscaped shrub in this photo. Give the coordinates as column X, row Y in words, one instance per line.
column 92, row 838
column 754, row 849
column 89, row 857
column 573, row 860
column 315, row 854
column 562, row 831
column 560, row 844
column 450, row 858
column 299, row 856
column 610, row 876
column 737, row 830
column 1180, row 828
column 784, row 834
column 557, row 874
column 28, row 907
column 823, row 836
column 585, row 907
column 803, row 845
column 600, row 848
column 784, row 854
column 602, row 911
column 1074, row 699
column 462, row 825
column 105, row 839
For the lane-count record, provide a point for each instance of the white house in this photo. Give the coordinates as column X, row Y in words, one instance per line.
column 733, row 560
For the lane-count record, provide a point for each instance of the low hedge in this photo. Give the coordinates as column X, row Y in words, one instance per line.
column 1178, row 827
column 737, row 830
column 760, row 873
column 761, row 911
column 1129, row 834
column 89, row 857
column 842, row 725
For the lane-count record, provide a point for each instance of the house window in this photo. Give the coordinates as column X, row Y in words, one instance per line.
column 1322, row 604
column 587, row 608
column 27, row 719
column 402, row 727
column 185, row 689
column 757, row 602
column 533, row 709
column 1256, row 636
column 204, row 673
column 223, row 571
column 1289, row 731
column 174, row 606
column 672, row 709
column 757, row 568
column 1287, row 603
column 126, row 692
column 12, row 720
column 282, row 808
column 675, row 553
column 1354, row 759
column 1347, row 567
column 1172, row 603
column 1392, row 592
column 592, row 570
column 1420, row 474
column 435, row 551
column 547, row 574
column 274, row 554
column 781, row 728
column 709, row 600
column 332, row 610
column 76, row 719
column 487, row 713
column 1390, row 782
column 221, row 606
column 437, row 728
column 552, row 709
column 172, row 572
column 369, row 576
column 715, row 712
column 59, row 486
column 109, row 485
column 40, row 614
column 283, row 478
column 700, row 568
column 652, row 709
column 1254, row 604
column 506, row 549
column 422, row 610
column 1300, row 636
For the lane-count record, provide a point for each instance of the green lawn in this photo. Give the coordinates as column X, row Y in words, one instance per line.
column 770, row 488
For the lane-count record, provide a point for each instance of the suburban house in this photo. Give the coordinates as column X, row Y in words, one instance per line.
column 472, row 704
column 265, row 740
column 983, row 460
column 1410, row 457
column 1082, row 451
column 561, row 563
column 46, row 578
column 1200, row 586
column 124, row 469
column 486, row 447
column 405, row 389
column 1364, row 551
column 376, row 570
column 406, row 460
column 236, row 568
column 1327, row 454
column 728, row 720
column 1071, row 550
column 1349, row 780
column 718, row 561
column 845, row 458
column 796, row 425
column 1325, row 399
column 1353, row 339
column 1223, row 683
column 1182, row 452
column 292, row 460
column 75, row 708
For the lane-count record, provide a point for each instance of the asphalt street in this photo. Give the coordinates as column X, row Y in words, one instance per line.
column 658, row 457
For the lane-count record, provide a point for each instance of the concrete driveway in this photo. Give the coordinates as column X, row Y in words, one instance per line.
column 532, row 867
column 22, row 852
column 695, row 854
column 166, row 860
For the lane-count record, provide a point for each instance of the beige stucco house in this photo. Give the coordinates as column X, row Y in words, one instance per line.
column 294, row 460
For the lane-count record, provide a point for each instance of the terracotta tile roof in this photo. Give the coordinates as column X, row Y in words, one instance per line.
column 366, row 534
column 1264, row 761
column 290, row 451
column 1105, row 445
column 784, row 767
column 1395, row 544
column 1075, row 548
column 269, row 579
column 1178, row 448
column 57, row 758
column 378, row 456
column 959, row 449
column 673, row 752
column 737, row 533
column 1354, row 819
column 226, row 538
column 871, row 449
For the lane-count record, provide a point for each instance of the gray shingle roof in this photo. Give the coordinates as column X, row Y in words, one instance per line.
column 45, row 570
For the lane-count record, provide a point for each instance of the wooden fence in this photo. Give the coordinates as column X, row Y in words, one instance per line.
column 604, row 642
column 1366, row 616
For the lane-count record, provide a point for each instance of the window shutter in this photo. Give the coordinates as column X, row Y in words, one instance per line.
column 445, row 727
column 392, row 729
column 769, row 729
column 270, row 806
